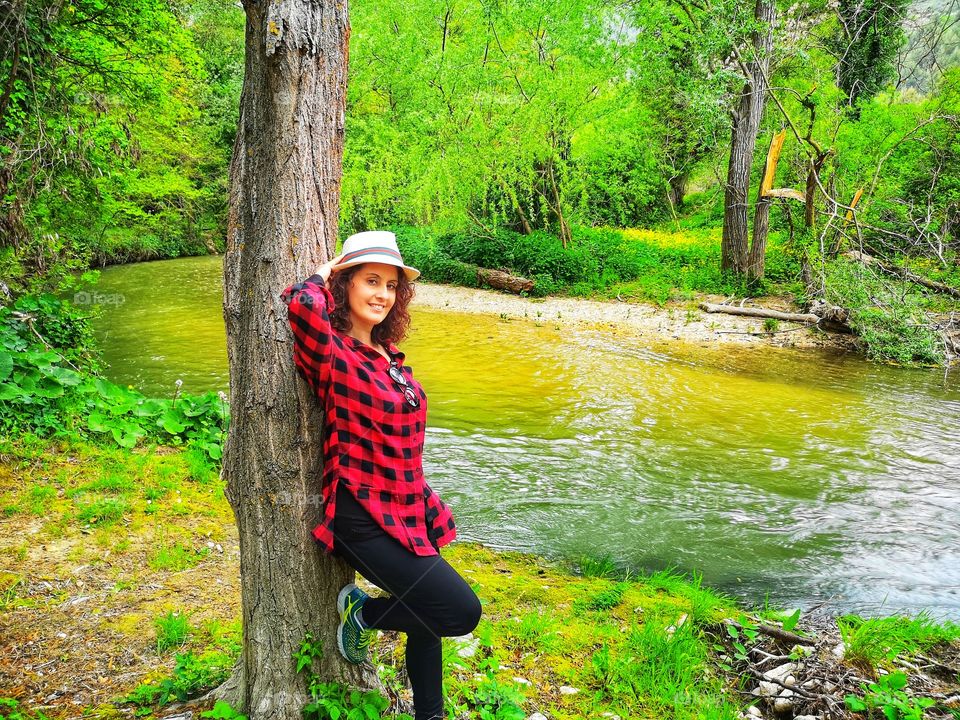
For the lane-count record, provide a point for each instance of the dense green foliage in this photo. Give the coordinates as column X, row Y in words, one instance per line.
column 50, row 386
column 510, row 133
column 649, row 266
column 115, row 131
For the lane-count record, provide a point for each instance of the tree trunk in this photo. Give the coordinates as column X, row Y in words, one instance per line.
column 678, row 189
column 284, row 200
column 761, row 217
column 743, row 138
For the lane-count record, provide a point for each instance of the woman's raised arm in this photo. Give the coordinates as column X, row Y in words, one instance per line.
column 309, row 304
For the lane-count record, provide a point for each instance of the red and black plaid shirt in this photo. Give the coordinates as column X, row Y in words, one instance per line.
column 374, row 437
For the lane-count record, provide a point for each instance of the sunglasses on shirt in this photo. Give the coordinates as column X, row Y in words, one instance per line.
column 396, row 374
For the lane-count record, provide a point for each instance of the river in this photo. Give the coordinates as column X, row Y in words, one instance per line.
column 804, row 477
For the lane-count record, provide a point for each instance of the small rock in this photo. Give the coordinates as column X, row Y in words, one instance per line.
column 782, row 705
column 789, row 681
column 779, row 673
column 840, row 650
column 806, row 717
column 567, row 690
column 811, row 684
column 469, row 645
column 767, row 689
column 522, row 681
column 754, row 711
column 537, row 716
column 610, row 715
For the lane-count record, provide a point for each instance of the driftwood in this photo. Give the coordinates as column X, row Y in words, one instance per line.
column 760, row 312
column 504, row 281
column 871, row 261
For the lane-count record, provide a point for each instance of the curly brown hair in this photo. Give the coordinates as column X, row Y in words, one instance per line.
column 395, row 325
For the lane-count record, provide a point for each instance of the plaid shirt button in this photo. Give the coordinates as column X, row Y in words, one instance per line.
column 373, row 436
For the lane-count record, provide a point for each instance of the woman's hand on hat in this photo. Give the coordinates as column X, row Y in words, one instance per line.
column 325, row 269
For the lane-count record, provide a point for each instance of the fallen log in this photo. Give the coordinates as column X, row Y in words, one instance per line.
column 871, row 261
column 504, row 281
column 760, row 313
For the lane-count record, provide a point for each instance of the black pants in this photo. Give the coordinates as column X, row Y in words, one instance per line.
column 428, row 599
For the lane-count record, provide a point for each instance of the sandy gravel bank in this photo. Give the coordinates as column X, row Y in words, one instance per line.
column 677, row 321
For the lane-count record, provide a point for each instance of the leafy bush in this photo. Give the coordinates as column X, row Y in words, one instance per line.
column 888, row 314
column 192, row 675
column 53, row 389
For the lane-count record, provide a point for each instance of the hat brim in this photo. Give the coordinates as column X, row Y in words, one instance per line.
column 411, row 272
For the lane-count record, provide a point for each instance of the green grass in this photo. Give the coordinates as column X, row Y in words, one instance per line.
column 605, row 599
column 176, row 557
column 172, row 631
column 534, row 631
column 602, row 566
column 878, row 642
column 199, row 467
column 104, row 511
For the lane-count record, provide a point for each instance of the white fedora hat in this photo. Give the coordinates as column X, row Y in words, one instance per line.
column 373, row 246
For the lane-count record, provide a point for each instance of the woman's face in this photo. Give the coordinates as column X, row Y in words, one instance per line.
column 371, row 294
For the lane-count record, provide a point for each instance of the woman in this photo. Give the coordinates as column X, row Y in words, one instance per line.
column 379, row 513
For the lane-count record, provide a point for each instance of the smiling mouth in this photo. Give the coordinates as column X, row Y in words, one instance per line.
column 377, row 308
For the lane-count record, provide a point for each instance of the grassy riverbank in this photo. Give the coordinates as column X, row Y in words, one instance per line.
column 119, row 588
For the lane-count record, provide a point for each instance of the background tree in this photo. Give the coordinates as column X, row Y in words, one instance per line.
column 746, row 116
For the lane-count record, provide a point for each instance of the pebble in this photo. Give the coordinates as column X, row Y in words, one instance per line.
column 806, row 717
column 754, row 711
column 567, row 690
column 537, row 716
column 782, row 705
column 779, row 673
column 839, row 651
column 469, row 645
column 766, row 689
column 522, row 681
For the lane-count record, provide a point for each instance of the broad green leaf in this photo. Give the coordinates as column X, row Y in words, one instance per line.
column 9, row 391
column 854, row 704
column 171, row 422
column 63, row 375
column 148, row 407
column 791, row 622
column 6, row 365
column 48, row 390
column 98, row 422
column 110, row 391
column 897, row 680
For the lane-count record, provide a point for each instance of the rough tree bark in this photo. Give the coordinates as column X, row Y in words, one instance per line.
column 743, row 138
column 284, row 198
column 504, row 281
column 761, row 217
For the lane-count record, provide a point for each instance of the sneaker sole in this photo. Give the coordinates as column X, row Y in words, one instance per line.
column 342, row 597
column 341, row 607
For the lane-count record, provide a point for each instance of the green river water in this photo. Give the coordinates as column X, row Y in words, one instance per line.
column 804, row 476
